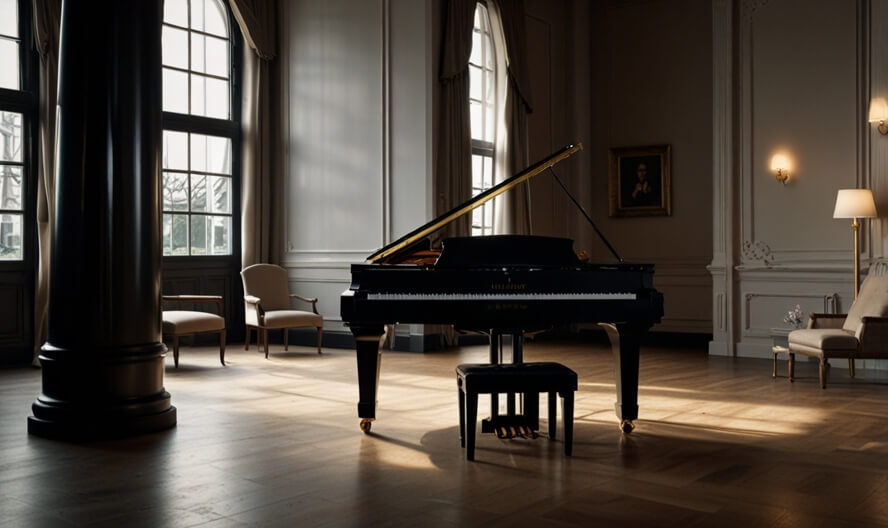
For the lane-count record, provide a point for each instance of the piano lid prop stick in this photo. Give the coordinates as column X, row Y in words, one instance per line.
column 580, row 207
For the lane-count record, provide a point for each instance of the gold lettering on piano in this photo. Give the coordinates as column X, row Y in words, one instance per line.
column 506, row 307
column 508, row 286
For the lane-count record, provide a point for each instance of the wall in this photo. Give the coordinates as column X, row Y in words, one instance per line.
column 650, row 84
column 358, row 140
column 789, row 76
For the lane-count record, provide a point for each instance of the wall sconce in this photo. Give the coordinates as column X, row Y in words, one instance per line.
column 879, row 114
column 780, row 166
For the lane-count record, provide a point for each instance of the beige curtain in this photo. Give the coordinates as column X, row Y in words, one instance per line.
column 261, row 187
column 47, row 21
column 453, row 169
column 513, row 211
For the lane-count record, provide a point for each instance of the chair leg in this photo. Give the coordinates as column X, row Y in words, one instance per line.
column 222, row 346
column 790, row 367
column 286, row 338
column 851, row 366
column 823, row 366
column 265, row 340
column 247, row 342
column 319, row 339
column 176, row 351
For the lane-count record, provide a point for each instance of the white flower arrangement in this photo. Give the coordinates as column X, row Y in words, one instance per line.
column 795, row 317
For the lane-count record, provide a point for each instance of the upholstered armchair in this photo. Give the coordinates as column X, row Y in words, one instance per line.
column 267, row 305
column 178, row 323
column 861, row 334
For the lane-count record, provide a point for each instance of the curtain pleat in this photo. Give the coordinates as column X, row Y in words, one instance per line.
column 513, row 213
column 453, row 174
column 261, row 211
column 47, row 22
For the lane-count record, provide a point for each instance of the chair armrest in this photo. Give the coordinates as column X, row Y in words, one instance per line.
column 253, row 309
column 312, row 300
column 252, row 299
column 873, row 336
column 824, row 320
column 197, row 299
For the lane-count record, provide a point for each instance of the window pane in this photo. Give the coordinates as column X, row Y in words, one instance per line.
column 175, row 150
column 10, row 237
column 209, row 16
column 221, row 234
column 210, row 154
column 11, row 187
column 10, row 136
column 209, row 55
column 175, row 235
column 175, row 191
column 475, row 118
column 175, row 91
column 9, row 64
column 475, row 83
column 175, row 47
column 9, row 18
column 176, row 12
column 209, row 97
column 487, row 178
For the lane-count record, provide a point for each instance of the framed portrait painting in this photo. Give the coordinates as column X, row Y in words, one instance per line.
column 639, row 181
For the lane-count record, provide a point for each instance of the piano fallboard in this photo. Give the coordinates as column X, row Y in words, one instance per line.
column 529, row 298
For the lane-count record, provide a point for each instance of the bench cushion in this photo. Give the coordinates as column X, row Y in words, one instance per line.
column 521, row 377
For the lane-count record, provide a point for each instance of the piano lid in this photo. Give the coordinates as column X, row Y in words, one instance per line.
column 477, row 201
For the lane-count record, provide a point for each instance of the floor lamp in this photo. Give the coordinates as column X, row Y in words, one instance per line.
column 855, row 203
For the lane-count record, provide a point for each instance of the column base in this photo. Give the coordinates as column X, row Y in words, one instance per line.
column 102, row 394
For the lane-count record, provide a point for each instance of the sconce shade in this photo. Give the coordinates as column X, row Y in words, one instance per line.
column 855, row 203
column 878, row 110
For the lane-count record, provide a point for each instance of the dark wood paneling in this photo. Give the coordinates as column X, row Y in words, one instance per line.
column 209, row 277
column 16, row 312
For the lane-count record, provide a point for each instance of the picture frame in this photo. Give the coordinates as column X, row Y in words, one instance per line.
column 640, row 181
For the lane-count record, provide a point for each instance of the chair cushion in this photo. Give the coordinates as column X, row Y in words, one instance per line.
column 825, row 342
column 872, row 300
column 181, row 322
column 292, row 318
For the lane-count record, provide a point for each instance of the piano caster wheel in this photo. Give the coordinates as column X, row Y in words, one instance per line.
column 365, row 425
column 627, row 426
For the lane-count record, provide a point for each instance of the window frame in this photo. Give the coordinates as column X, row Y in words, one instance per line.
column 25, row 101
column 211, row 126
column 481, row 147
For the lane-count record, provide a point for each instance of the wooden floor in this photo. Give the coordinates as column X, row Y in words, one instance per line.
column 276, row 443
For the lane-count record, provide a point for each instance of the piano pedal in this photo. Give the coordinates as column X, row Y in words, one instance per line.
column 507, row 432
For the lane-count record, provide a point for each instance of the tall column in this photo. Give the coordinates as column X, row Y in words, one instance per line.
column 103, row 361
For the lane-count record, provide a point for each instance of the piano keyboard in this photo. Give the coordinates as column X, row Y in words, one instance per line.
column 592, row 296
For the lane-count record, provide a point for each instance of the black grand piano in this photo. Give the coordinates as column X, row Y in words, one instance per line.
column 504, row 285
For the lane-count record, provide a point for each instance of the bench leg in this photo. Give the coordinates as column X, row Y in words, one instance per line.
column 471, row 422
column 462, row 418
column 567, row 416
column 553, row 400
column 222, row 346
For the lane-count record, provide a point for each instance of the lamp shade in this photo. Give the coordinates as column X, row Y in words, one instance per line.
column 855, row 203
column 878, row 110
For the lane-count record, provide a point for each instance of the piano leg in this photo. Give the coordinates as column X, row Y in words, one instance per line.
column 367, row 342
column 625, row 341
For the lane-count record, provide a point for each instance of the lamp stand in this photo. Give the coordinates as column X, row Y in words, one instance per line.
column 855, row 226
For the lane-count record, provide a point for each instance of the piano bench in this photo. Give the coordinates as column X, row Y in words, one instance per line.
column 526, row 378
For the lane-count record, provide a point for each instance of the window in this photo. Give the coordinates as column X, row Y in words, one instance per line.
column 17, row 108
column 200, row 134
column 482, row 111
